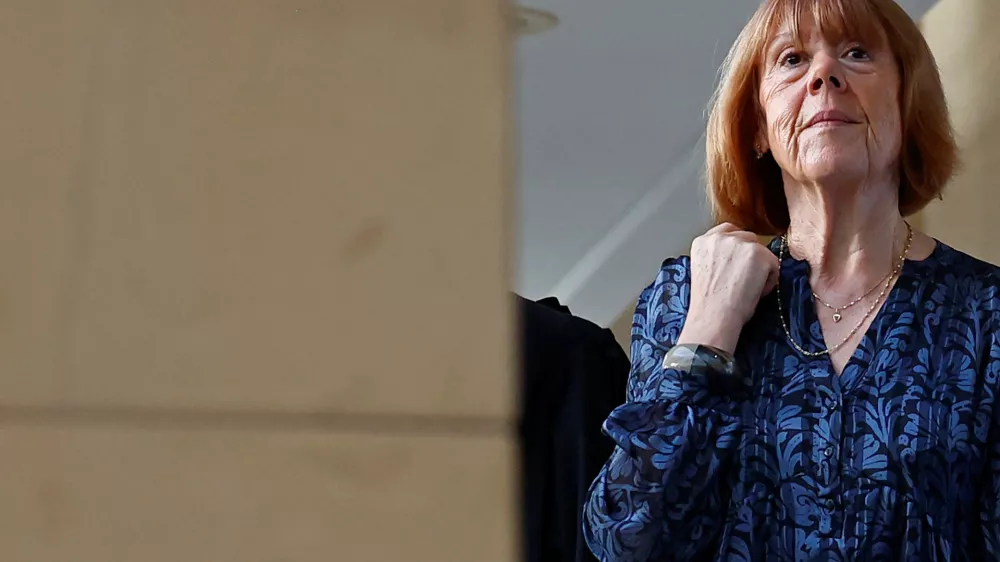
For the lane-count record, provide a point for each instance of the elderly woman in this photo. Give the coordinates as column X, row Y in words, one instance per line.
column 832, row 396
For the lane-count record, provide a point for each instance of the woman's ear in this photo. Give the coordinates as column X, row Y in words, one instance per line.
column 760, row 145
column 760, row 140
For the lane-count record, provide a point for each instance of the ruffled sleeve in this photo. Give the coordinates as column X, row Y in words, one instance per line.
column 662, row 494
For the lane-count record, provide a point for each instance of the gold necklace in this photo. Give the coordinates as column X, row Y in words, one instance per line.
column 837, row 317
column 885, row 289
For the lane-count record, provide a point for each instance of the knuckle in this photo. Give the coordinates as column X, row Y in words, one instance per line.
column 762, row 253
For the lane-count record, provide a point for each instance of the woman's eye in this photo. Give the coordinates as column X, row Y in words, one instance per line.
column 791, row 59
column 857, row 53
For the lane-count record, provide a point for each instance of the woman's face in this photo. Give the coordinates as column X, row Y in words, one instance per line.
column 831, row 109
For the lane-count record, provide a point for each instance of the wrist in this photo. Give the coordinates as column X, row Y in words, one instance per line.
column 701, row 369
column 716, row 334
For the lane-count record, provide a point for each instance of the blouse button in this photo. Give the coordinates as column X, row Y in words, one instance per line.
column 828, row 452
column 830, row 504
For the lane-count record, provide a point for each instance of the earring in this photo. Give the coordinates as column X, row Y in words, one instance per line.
column 760, row 154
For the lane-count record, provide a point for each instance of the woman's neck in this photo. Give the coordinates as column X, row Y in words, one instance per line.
column 850, row 235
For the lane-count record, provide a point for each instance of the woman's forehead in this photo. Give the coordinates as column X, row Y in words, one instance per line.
column 835, row 20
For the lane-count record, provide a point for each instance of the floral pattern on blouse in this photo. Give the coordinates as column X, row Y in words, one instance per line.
column 897, row 458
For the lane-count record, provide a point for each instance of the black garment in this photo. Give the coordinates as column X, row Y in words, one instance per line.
column 573, row 374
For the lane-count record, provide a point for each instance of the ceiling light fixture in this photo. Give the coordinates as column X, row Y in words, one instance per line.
column 532, row 21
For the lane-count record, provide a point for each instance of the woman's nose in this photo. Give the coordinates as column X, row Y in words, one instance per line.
column 830, row 81
column 827, row 75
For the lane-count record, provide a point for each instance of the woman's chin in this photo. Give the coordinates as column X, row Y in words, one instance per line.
column 836, row 169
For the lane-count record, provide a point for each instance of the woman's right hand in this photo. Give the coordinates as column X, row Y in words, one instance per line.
column 730, row 272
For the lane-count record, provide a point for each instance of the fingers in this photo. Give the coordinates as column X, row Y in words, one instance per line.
column 723, row 228
column 771, row 283
column 730, row 229
column 773, row 273
column 731, row 270
column 744, row 235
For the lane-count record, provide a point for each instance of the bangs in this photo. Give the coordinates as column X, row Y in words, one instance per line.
column 837, row 20
column 745, row 188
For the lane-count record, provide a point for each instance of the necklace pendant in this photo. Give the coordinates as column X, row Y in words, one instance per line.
column 837, row 317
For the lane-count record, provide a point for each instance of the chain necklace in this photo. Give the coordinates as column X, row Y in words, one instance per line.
column 837, row 317
column 885, row 289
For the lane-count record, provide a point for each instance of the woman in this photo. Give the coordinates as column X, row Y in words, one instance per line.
column 832, row 396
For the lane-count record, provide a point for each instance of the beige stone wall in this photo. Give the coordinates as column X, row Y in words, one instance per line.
column 962, row 34
column 231, row 316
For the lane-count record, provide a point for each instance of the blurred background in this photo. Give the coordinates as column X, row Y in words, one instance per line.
column 258, row 255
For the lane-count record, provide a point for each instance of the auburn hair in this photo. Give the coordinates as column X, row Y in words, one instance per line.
column 746, row 190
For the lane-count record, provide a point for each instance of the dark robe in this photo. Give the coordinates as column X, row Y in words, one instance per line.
column 573, row 373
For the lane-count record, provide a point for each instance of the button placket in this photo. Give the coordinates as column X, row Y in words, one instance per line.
column 827, row 508
column 830, row 518
column 827, row 451
column 832, row 503
column 832, row 404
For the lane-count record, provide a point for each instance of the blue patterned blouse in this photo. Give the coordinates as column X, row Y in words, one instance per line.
column 898, row 458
